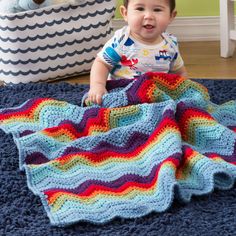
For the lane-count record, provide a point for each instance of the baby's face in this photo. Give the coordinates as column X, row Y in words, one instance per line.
column 148, row 19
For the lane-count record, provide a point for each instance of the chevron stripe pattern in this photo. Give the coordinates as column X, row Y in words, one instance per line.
column 155, row 138
column 53, row 42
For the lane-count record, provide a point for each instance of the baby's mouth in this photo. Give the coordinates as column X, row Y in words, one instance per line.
column 148, row 26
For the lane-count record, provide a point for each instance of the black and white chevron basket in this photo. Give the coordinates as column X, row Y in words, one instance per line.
column 53, row 42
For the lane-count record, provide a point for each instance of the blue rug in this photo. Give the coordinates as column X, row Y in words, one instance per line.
column 22, row 213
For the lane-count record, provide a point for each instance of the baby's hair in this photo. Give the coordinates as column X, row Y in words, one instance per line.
column 171, row 2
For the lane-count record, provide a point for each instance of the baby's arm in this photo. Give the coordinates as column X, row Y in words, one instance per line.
column 98, row 77
column 181, row 71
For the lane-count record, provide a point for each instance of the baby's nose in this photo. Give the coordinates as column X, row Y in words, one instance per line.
column 148, row 14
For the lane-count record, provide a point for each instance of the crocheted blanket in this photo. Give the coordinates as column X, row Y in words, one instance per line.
column 155, row 138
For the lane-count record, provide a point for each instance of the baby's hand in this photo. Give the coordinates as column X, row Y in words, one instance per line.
column 95, row 94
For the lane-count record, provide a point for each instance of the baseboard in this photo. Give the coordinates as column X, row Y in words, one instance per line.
column 190, row 28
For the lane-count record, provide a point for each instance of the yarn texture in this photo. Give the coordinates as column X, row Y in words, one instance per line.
column 155, row 138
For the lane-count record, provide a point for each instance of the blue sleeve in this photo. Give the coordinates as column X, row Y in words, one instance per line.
column 111, row 52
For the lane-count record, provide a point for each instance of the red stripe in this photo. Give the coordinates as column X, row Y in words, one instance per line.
column 98, row 157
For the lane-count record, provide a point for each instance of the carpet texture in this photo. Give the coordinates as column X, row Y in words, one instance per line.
column 23, row 214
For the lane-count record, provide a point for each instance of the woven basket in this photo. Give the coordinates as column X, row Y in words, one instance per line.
column 53, row 42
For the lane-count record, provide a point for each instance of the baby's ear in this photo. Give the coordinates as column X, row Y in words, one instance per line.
column 173, row 15
column 123, row 12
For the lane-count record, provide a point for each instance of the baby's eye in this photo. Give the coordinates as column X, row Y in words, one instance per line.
column 157, row 10
column 140, row 8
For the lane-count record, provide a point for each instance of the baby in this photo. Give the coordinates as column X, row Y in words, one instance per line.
column 141, row 46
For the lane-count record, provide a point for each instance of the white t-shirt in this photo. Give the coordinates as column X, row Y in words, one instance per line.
column 130, row 58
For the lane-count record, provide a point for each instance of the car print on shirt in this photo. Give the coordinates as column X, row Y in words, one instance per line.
column 163, row 54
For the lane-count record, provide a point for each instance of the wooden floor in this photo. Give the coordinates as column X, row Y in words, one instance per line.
column 202, row 60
